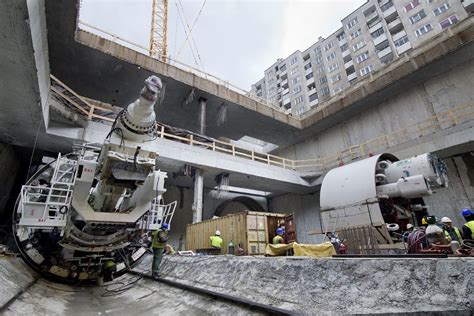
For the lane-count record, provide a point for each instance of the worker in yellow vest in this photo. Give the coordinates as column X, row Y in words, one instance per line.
column 216, row 240
column 468, row 228
column 159, row 239
column 278, row 239
column 451, row 232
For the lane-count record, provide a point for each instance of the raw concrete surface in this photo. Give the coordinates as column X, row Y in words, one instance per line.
column 15, row 276
column 145, row 298
column 334, row 286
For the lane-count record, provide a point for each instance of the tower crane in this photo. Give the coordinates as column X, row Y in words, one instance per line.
column 159, row 30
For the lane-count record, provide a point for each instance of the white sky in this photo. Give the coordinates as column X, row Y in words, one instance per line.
column 236, row 39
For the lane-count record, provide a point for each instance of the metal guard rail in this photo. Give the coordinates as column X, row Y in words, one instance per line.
column 440, row 121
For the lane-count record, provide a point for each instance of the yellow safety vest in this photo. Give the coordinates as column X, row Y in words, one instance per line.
column 470, row 224
column 276, row 240
column 216, row 241
column 157, row 234
column 457, row 232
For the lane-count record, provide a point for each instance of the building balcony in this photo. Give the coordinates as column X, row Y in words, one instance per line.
column 375, row 27
column 284, row 82
column 352, row 76
column 349, row 64
column 379, row 40
column 314, row 102
column 346, row 53
column 286, row 100
column 390, row 13
column 394, row 24
column 343, row 41
column 312, row 91
column 308, row 71
column 399, row 35
column 310, row 80
column 384, row 52
column 372, row 17
column 403, row 48
column 285, row 92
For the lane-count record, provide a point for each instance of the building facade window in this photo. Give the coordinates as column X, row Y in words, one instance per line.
column 331, row 56
column 283, row 68
column 337, row 90
column 366, row 70
column 297, row 90
column 319, row 60
column 417, row 17
column 377, row 33
column 328, row 46
column 333, row 67
column 448, row 22
column 351, row 23
column 344, row 47
column 298, row 100
column 442, row 8
column 325, row 91
column 362, row 57
column 423, row 30
column 293, row 61
column 356, row 34
column 412, row 5
column 401, row 41
column 336, row 78
column 386, row 6
column 358, row 46
column 341, row 36
column 293, row 71
column 323, row 80
column 307, row 66
column 295, row 80
column 313, row 97
column 309, row 76
column 320, row 70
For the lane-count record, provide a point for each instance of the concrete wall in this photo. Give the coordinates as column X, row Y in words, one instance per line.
column 37, row 21
column 415, row 104
column 460, row 193
column 328, row 286
column 306, row 214
column 184, row 214
column 8, row 171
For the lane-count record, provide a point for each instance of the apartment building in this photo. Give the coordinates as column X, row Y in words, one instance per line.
column 371, row 37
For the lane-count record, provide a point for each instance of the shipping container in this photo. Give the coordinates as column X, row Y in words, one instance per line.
column 253, row 230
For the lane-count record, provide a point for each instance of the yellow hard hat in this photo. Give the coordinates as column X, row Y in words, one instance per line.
column 423, row 221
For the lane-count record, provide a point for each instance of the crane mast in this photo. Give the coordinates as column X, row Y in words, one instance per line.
column 159, row 30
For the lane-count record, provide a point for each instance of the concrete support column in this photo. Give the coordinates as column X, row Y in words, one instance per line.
column 198, row 195
column 198, row 177
column 202, row 116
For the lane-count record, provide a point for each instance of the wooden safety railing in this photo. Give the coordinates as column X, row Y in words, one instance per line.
column 79, row 103
column 440, row 121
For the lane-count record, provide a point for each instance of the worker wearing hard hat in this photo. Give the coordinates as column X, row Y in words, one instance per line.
column 216, row 240
column 160, row 237
column 451, row 232
column 278, row 239
column 468, row 227
column 434, row 233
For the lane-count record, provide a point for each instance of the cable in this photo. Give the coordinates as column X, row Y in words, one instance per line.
column 33, row 151
column 190, row 30
column 186, row 32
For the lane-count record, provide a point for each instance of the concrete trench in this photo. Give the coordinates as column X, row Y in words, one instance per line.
column 301, row 285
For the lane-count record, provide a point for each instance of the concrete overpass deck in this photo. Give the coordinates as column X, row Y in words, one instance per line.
column 109, row 72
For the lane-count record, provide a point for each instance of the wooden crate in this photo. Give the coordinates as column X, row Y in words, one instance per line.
column 252, row 229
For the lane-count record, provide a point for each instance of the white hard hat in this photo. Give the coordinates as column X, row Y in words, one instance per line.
column 446, row 220
column 218, row 233
column 409, row 226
